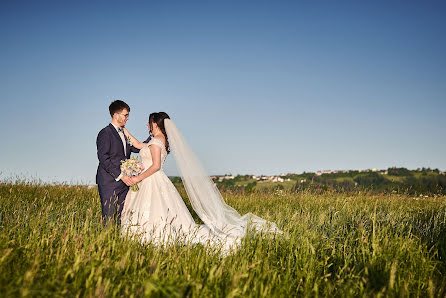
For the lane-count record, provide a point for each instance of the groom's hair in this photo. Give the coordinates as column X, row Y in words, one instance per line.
column 117, row 106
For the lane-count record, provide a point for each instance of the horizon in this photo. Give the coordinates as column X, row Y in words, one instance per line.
column 39, row 180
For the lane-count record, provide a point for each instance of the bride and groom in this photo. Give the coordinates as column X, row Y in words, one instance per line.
column 156, row 213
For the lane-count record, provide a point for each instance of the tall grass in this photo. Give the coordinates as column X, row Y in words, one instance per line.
column 53, row 244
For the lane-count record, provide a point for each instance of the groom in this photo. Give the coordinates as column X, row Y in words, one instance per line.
column 112, row 146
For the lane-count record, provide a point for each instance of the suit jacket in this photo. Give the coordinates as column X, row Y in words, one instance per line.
column 110, row 153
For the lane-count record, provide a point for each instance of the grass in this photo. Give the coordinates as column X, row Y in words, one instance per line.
column 52, row 244
column 287, row 185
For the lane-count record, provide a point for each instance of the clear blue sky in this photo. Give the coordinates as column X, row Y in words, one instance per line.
column 259, row 87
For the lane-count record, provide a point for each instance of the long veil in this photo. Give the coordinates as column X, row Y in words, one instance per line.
column 204, row 195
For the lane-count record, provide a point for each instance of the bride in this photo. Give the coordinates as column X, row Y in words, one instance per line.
column 156, row 212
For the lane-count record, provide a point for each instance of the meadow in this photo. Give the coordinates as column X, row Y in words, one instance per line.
column 52, row 243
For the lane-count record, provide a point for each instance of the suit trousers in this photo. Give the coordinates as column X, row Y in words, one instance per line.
column 112, row 202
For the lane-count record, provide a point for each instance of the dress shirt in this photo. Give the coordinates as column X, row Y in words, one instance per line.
column 121, row 134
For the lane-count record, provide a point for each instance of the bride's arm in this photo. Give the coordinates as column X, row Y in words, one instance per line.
column 155, row 151
column 135, row 143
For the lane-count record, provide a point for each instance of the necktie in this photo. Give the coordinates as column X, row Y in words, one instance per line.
column 121, row 130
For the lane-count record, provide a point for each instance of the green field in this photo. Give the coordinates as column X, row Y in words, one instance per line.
column 355, row 244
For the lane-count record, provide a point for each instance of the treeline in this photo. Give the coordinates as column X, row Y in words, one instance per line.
column 234, row 185
column 401, row 180
column 226, row 185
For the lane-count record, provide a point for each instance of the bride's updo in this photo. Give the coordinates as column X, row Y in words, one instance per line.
column 158, row 118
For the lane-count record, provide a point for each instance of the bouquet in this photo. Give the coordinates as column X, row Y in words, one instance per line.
column 132, row 167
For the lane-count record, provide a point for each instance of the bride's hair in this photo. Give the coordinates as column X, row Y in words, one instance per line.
column 158, row 118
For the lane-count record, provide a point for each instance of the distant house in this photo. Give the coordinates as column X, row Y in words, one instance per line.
column 225, row 177
column 277, row 179
column 264, row 178
column 319, row 173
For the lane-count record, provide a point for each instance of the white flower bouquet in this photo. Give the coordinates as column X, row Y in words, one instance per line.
column 132, row 167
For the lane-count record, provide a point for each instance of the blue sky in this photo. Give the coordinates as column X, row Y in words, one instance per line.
column 260, row 87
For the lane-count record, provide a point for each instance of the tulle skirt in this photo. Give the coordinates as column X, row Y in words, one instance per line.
column 156, row 213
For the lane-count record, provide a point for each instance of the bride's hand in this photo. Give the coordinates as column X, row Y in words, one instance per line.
column 135, row 179
column 126, row 132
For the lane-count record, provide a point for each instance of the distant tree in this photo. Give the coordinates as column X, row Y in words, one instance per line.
column 370, row 179
column 279, row 187
column 345, row 185
column 250, row 187
column 176, row 180
column 399, row 172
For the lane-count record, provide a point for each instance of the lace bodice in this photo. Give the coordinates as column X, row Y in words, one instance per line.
column 146, row 156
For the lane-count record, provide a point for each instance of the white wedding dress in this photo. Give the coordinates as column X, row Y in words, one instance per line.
column 156, row 213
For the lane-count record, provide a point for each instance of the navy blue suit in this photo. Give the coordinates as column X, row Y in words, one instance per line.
column 110, row 153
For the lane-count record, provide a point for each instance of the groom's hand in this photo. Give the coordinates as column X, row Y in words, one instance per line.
column 127, row 180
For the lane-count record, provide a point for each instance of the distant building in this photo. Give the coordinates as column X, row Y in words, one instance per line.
column 276, row 179
column 225, row 177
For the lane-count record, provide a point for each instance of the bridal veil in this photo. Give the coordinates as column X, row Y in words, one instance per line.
column 204, row 196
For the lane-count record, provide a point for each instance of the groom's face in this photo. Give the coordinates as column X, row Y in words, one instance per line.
column 122, row 117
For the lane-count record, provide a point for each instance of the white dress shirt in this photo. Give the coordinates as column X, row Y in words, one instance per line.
column 121, row 134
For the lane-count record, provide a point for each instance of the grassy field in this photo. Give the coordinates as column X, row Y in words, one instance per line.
column 52, row 244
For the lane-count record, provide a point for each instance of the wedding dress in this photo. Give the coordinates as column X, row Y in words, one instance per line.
column 157, row 213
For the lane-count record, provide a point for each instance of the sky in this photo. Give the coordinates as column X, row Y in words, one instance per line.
column 256, row 87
